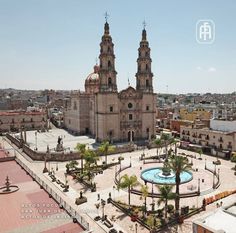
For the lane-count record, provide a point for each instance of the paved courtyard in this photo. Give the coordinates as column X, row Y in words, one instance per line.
column 43, row 139
column 105, row 185
column 30, row 209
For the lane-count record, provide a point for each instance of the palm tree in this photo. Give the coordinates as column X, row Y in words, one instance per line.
column 199, row 151
column 105, row 148
column 144, row 191
column 91, row 159
column 81, row 148
column 166, row 138
column 178, row 164
column 166, row 194
column 158, row 143
column 71, row 165
column 128, row 182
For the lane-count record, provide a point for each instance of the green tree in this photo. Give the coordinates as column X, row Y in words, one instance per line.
column 81, row 148
column 158, row 143
column 105, row 148
column 128, row 182
column 90, row 166
column 166, row 194
column 178, row 164
column 166, row 139
column 144, row 191
column 199, row 151
column 71, row 165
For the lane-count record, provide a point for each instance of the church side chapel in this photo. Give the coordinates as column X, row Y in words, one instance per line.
column 104, row 112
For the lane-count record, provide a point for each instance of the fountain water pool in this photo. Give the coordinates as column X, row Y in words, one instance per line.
column 155, row 175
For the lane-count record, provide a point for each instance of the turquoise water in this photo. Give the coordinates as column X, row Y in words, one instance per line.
column 152, row 175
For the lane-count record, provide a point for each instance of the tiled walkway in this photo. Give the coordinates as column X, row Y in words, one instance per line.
column 30, row 209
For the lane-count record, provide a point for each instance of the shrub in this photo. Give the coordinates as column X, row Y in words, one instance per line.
column 170, row 208
column 233, row 158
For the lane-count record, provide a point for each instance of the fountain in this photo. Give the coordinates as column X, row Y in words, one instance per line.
column 8, row 188
column 164, row 175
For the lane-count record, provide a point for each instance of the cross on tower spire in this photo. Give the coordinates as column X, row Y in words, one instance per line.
column 144, row 24
column 106, row 16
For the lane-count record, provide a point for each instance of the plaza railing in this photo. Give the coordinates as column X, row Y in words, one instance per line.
column 62, row 203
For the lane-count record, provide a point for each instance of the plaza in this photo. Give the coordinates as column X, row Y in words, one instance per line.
column 106, row 186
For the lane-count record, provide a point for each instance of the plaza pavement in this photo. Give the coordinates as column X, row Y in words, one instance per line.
column 105, row 183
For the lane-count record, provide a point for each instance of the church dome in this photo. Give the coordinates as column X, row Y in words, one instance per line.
column 93, row 76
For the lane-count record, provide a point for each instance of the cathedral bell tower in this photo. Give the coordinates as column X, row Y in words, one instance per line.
column 144, row 74
column 107, row 72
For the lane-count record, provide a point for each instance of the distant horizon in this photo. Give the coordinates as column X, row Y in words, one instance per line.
column 54, row 44
column 159, row 93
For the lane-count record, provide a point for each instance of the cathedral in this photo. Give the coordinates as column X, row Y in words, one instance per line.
column 108, row 114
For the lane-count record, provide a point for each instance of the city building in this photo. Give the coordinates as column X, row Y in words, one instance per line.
column 109, row 114
column 16, row 120
column 197, row 113
column 222, row 220
column 219, row 143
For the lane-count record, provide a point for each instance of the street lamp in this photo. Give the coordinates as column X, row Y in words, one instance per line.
column 103, row 203
column 152, row 198
column 45, row 160
column 136, row 227
column 36, row 148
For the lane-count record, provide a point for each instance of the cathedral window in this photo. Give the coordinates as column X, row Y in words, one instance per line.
column 130, row 105
column 109, row 64
column 130, row 116
column 146, row 66
column 111, row 108
column 109, row 81
column 75, row 105
column 147, row 83
column 147, row 107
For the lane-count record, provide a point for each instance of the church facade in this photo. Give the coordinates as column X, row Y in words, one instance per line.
column 104, row 112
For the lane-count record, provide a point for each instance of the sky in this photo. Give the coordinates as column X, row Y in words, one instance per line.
column 53, row 44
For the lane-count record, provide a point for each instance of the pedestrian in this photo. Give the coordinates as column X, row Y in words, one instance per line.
column 98, row 196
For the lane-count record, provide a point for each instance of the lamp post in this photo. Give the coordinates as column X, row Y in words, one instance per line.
column 152, row 198
column 45, row 160
column 103, row 203
column 36, row 146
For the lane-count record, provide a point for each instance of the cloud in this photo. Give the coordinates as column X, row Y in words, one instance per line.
column 211, row 69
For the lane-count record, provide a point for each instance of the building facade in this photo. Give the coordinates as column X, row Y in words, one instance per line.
column 218, row 142
column 108, row 114
column 15, row 120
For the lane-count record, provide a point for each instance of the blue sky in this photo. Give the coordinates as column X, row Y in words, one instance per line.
column 54, row 43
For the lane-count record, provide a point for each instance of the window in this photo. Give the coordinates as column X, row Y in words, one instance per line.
column 69, row 122
column 43, row 119
column 111, row 108
column 109, row 64
column 146, row 54
column 130, row 105
column 109, row 81
column 147, row 83
column 146, row 66
column 108, row 49
column 130, row 117
column 75, row 105
column 147, row 108
column 23, row 120
column 147, row 130
column 31, row 119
